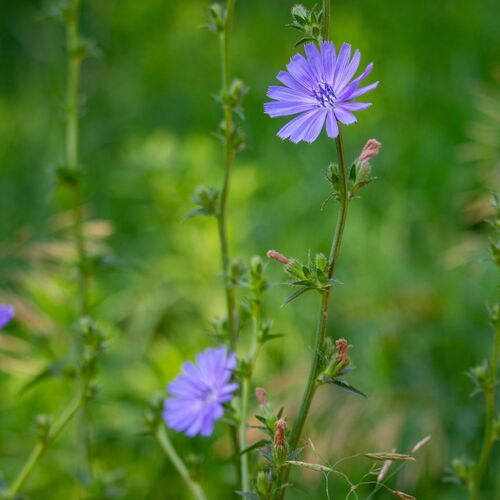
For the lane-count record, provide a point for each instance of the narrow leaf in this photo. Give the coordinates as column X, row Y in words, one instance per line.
column 307, row 465
column 347, row 387
column 397, row 457
column 257, row 444
column 296, row 294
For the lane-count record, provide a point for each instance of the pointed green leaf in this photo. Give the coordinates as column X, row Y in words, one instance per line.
column 257, row 444
column 346, row 386
column 296, row 294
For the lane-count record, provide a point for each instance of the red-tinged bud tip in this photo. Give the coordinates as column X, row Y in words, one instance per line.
column 274, row 255
column 342, row 347
column 260, row 393
column 279, row 432
column 370, row 150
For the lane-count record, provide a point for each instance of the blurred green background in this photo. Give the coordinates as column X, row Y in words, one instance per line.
column 416, row 277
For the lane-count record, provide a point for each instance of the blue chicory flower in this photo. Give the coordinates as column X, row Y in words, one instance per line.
column 318, row 89
column 199, row 392
column 6, row 314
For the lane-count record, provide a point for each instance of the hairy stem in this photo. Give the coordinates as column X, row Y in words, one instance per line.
column 72, row 163
column 326, row 19
column 312, row 383
column 245, row 393
column 489, row 437
column 225, row 43
column 230, row 153
column 66, row 415
column 245, row 396
column 168, row 448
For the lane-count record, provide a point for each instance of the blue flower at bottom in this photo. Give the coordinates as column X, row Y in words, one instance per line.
column 320, row 90
column 200, row 391
column 6, row 314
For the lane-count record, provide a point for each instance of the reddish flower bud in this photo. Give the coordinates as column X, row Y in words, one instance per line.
column 274, row 255
column 279, row 433
column 342, row 347
column 370, row 150
column 260, row 393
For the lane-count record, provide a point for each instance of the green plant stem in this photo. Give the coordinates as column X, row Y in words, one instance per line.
column 230, row 153
column 245, row 396
column 72, row 163
column 312, row 383
column 168, row 448
column 66, row 415
column 326, row 19
column 245, row 392
column 489, row 437
column 232, row 311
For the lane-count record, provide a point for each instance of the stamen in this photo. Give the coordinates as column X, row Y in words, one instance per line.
column 325, row 95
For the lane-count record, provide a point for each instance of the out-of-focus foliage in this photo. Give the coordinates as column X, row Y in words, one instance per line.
column 415, row 278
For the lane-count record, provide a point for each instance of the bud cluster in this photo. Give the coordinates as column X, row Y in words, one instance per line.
column 308, row 22
column 92, row 341
column 481, row 378
column 153, row 416
column 216, row 18
column 207, row 201
column 43, row 423
column 359, row 174
column 313, row 276
column 336, row 358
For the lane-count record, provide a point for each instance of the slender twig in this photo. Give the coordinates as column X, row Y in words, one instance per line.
column 489, row 436
column 72, row 163
column 225, row 44
column 66, row 415
column 245, row 391
column 245, row 395
column 325, row 31
column 230, row 153
column 168, row 448
column 312, row 383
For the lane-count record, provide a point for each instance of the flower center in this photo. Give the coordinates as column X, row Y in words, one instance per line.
column 325, row 95
column 211, row 395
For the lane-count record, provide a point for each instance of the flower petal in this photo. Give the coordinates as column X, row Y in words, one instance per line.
column 315, row 125
column 332, row 127
column 300, row 70
column 345, row 116
column 329, row 58
column 281, row 108
column 363, row 90
column 355, row 106
column 299, row 127
column 351, row 87
column 288, row 80
column 289, row 95
column 6, row 314
column 342, row 62
column 348, row 73
column 314, row 60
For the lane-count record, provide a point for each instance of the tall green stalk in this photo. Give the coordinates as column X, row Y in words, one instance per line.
column 225, row 44
column 57, row 427
column 74, row 56
column 230, row 154
column 194, row 487
column 489, row 432
column 312, row 382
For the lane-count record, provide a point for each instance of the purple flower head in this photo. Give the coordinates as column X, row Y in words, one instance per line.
column 199, row 392
column 6, row 314
column 318, row 89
